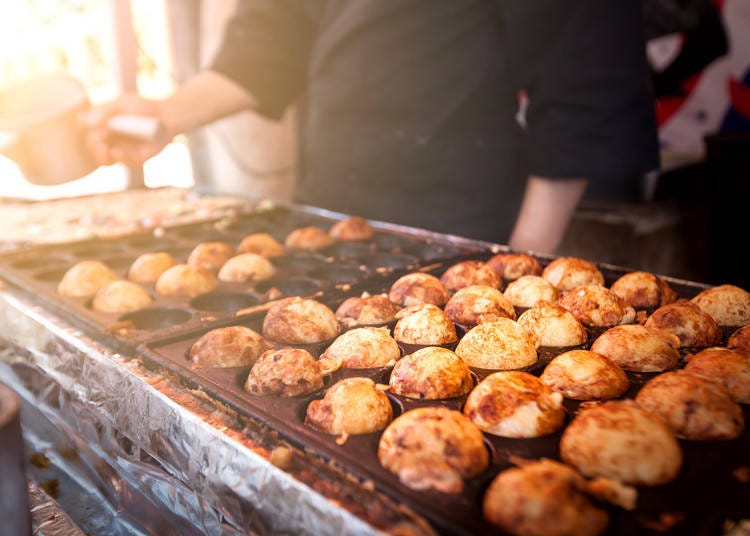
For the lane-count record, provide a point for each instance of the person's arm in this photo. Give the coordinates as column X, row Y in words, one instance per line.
column 548, row 205
column 591, row 109
column 203, row 99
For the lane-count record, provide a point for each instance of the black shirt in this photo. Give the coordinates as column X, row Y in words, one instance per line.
column 410, row 105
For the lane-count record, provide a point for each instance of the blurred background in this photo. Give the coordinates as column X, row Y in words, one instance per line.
column 682, row 224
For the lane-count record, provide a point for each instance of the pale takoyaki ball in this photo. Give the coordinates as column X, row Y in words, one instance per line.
column 298, row 320
column 502, row 344
column 467, row 273
column 620, row 440
column 643, row 290
column 595, row 305
column 511, row 266
column 366, row 310
column 424, row 324
column 284, row 372
column 585, row 375
column 433, row 448
column 84, row 279
column 542, row 497
column 210, row 255
column 431, row 373
column 567, row 273
column 185, row 280
column 552, row 325
column 230, row 346
column 351, row 406
column 147, row 268
column 417, row 288
column 121, row 297
column 467, row 305
column 694, row 407
column 693, row 326
column 246, row 267
column 261, row 244
column 515, row 404
column 351, row 229
column 366, row 347
column 740, row 340
column 729, row 305
column 638, row 348
column 308, row 239
column 528, row 290
column 730, row 367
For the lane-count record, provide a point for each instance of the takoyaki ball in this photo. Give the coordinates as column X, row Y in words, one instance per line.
column 351, row 229
column 740, row 340
column 502, row 344
column 417, row 288
column 210, row 255
column 467, row 273
column 366, row 310
column 147, row 268
column 694, row 407
column 730, row 367
column 185, row 280
column 511, row 266
column 552, row 325
column 285, row 372
column 121, row 297
column 618, row 439
column 298, row 320
column 433, row 448
column 528, row 290
column 729, row 305
column 308, row 239
column 585, row 375
column 84, row 279
column 424, row 324
column 595, row 305
column 261, row 244
column 246, row 267
column 515, row 404
column 431, row 373
column 366, row 347
column 693, row 326
column 352, row 406
column 643, row 290
column 638, row 348
column 567, row 273
column 542, row 498
column 469, row 303
column 230, row 346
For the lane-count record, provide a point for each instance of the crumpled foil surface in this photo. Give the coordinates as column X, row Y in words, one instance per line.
column 151, row 452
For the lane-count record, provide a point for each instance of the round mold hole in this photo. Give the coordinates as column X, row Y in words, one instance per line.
column 117, row 263
column 52, row 275
column 92, row 251
column 293, row 286
column 39, row 262
column 299, row 263
column 430, row 252
column 200, row 235
column 224, row 301
column 387, row 242
column 394, row 261
column 338, row 274
column 350, row 250
column 156, row 317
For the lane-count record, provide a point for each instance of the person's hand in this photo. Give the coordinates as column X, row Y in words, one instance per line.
column 109, row 147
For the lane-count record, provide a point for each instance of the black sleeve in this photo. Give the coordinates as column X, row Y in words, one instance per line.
column 582, row 64
column 265, row 48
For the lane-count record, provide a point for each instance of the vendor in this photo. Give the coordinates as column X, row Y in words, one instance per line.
column 410, row 108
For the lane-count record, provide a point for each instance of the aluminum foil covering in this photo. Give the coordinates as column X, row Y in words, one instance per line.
column 163, row 456
column 47, row 517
